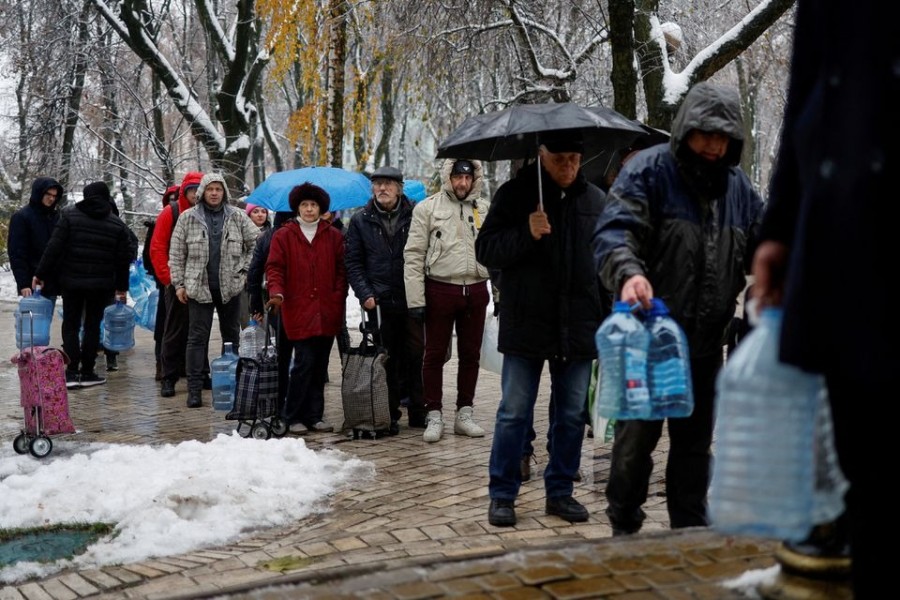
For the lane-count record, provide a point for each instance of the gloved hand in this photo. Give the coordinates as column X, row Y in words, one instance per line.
column 417, row 314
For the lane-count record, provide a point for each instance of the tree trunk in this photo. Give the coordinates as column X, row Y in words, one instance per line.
column 337, row 57
column 621, row 38
column 383, row 150
column 73, row 102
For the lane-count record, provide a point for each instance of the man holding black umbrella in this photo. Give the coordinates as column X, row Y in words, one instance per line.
column 538, row 235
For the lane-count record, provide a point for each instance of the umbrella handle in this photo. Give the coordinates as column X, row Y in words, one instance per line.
column 540, row 185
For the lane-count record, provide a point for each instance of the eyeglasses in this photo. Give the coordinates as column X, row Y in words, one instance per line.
column 382, row 181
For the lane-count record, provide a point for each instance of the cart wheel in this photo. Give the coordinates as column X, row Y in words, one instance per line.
column 279, row 427
column 40, row 446
column 20, row 444
column 260, row 431
column 243, row 429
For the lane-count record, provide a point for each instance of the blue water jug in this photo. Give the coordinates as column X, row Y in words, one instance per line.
column 145, row 310
column 34, row 314
column 763, row 475
column 622, row 344
column 118, row 327
column 223, row 371
column 668, row 365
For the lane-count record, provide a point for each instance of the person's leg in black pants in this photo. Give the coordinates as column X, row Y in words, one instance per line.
column 95, row 302
column 73, row 310
column 174, row 344
column 159, row 330
column 199, row 326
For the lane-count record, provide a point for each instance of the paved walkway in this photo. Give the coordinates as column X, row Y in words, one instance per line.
column 419, row 530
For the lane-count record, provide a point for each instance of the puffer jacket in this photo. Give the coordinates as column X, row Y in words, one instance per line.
column 90, row 249
column 311, row 278
column 549, row 289
column 374, row 260
column 30, row 229
column 162, row 232
column 189, row 250
column 695, row 251
column 441, row 244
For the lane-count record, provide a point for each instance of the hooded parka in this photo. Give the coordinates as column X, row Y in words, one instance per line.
column 30, row 229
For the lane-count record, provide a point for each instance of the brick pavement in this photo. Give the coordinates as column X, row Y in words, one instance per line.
column 419, row 530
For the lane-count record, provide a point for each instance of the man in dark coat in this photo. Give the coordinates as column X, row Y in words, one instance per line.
column 680, row 224
column 375, row 240
column 551, row 309
column 829, row 239
column 30, row 229
column 91, row 250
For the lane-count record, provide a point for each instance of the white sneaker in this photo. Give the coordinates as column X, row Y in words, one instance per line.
column 465, row 423
column 321, row 426
column 434, row 427
column 298, row 428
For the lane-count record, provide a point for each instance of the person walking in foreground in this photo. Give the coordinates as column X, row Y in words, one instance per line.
column 447, row 287
column 91, row 250
column 175, row 330
column 376, row 237
column 30, row 229
column 211, row 248
column 832, row 214
column 680, row 224
column 551, row 310
column 308, row 285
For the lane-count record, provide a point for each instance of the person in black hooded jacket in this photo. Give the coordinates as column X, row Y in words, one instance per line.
column 29, row 231
column 91, row 250
column 680, row 225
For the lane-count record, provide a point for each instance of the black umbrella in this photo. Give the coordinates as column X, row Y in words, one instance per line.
column 516, row 132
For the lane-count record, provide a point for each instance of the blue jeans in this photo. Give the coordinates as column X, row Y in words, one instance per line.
column 519, row 382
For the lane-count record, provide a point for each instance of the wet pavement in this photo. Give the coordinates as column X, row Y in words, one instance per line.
column 418, row 530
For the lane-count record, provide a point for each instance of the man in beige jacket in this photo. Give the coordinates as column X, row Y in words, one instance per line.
column 447, row 287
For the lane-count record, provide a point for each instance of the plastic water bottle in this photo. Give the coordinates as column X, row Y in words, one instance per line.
column 622, row 344
column 668, row 365
column 223, row 371
column 118, row 327
column 830, row 487
column 145, row 310
column 253, row 339
column 763, row 474
column 41, row 313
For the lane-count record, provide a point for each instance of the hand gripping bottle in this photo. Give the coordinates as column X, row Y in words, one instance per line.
column 223, row 371
column 118, row 327
column 668, row 365
column 622, row 344
column 34, row 313
column 763, row 475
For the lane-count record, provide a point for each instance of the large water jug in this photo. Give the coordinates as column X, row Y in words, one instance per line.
column 622, row 344
column 223, row 371
column 118, row 327
column 253, row 340
column 668, row 365
column 145, row 310
column 763, row 473
column 34, row 314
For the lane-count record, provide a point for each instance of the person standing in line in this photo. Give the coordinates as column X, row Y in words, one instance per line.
column 211, row 248
column 447, row 287
column 307, row 284
column 680, row 224
column 90, row 250
column 828, row 228
column 169, row 196
column 30, row 229
column 112, row 357
column 375, row 238
column 551, row 309
column 260, row 217
column 175, row 329
column 257, row 289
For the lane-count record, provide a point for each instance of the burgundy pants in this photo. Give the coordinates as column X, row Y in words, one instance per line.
column 446, row 306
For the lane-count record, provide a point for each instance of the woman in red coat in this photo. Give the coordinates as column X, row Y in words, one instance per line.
column 307, row 283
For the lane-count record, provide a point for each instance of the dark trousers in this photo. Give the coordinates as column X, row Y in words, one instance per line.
column 175, row 335
column 404, row 340
column 83, row 309
column 446, row 306
column 159, row 329
column 305, row 402
column 688, row 467
column 200, row 317
column 862, row 437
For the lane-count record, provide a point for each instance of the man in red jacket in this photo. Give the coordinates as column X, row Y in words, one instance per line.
column 175, row 331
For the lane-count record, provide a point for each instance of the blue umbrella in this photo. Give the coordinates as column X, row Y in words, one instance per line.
column 348, row 189
column 414, row 190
